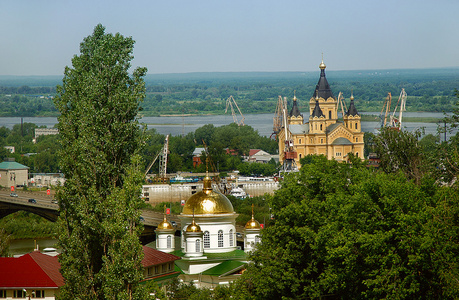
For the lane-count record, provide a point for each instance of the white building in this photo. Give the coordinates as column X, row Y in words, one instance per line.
column 209, row 251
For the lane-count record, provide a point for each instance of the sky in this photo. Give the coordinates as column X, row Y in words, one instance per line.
column 40, row 37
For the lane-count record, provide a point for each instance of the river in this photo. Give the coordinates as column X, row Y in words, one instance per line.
column 22, row 246
column 262, row 122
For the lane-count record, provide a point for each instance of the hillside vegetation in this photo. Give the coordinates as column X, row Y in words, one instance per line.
column 206, row 93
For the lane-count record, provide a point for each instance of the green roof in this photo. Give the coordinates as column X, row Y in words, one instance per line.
column 12, row 165
column 225, row 268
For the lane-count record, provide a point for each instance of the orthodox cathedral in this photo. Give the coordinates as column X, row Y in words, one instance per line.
column 208, row 247
column 323, row 133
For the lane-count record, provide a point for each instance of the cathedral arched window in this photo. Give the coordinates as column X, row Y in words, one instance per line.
column 169, row 241
column 300, row 155
column 356, row 140
column 320, row 126
column 299, row 141
column 231, row 238
column 198, row 245
column 329, row 114
column 220, row 238
column 355, row 125
column 206, row 239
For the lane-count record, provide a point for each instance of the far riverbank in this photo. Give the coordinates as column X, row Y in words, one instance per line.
column 178, row 125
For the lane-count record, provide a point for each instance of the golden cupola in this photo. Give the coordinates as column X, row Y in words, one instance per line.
column 193, row 227
column 207, row 202
column 252, row 223
column 165, row 224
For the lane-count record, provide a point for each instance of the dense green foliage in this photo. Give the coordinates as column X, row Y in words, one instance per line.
column 201, row 93
column 348, row 232
column 239, row 139
column 40, row 157
column 100, row 140
column 26, row 225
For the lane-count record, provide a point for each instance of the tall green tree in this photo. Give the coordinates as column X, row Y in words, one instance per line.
column 100, row 142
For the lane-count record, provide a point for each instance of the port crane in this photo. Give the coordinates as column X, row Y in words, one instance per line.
column 290, row 154
column 278, row 115
column 229, row 103
column 162, row 156
column 341, row 103
column 386, row 106
column 394, row 122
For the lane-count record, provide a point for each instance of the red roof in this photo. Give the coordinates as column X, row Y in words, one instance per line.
column 32, row 270
column 155, row 257
column 253, row 151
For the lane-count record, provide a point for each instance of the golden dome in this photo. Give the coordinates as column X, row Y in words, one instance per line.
column 322, row 65
column 165, row 225
column 193, row 227
column 252, row 224
column 207, row 202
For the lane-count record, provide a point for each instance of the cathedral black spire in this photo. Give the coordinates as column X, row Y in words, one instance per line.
column 323, row 89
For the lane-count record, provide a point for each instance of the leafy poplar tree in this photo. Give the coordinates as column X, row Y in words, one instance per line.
column 100, row 139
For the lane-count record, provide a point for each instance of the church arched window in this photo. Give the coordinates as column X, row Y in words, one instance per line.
column 299, row 141
column 329, row 114
column 320, row 126
column 231, row 238
column 220, row 238
column 206, row 239
column 169, row 241
column 355, row 125
column 198, row 245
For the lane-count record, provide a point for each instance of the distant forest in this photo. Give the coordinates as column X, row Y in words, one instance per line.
column 430, row 90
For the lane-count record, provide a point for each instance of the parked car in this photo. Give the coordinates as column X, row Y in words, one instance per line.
column 13, row 195
column 32, row 201
column 173, row 223
column 238, row 235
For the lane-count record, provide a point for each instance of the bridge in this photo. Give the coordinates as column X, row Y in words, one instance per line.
column 44, row 207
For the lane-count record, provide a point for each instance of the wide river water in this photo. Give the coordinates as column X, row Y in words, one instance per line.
column 262, row 122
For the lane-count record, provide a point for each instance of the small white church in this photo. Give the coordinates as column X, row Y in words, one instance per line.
column 209, row 251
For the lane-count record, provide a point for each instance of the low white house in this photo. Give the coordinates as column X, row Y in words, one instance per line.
column 13, row 173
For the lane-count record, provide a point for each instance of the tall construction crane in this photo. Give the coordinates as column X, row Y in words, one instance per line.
column 229, row 103
column 386, row 106
column 162, row 156
column 278, row 115
column 290, row 154
column 342, row 103
column 394, row 122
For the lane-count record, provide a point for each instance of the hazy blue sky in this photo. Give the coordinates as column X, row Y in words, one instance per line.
column 41, row 37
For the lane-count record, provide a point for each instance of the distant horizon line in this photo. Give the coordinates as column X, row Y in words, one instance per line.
column 235, row 72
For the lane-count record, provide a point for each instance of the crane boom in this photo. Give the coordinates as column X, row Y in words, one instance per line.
column 402, row 101
column 229, row 103
column 162, row 155
column 386, row 106
column 342, row 103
